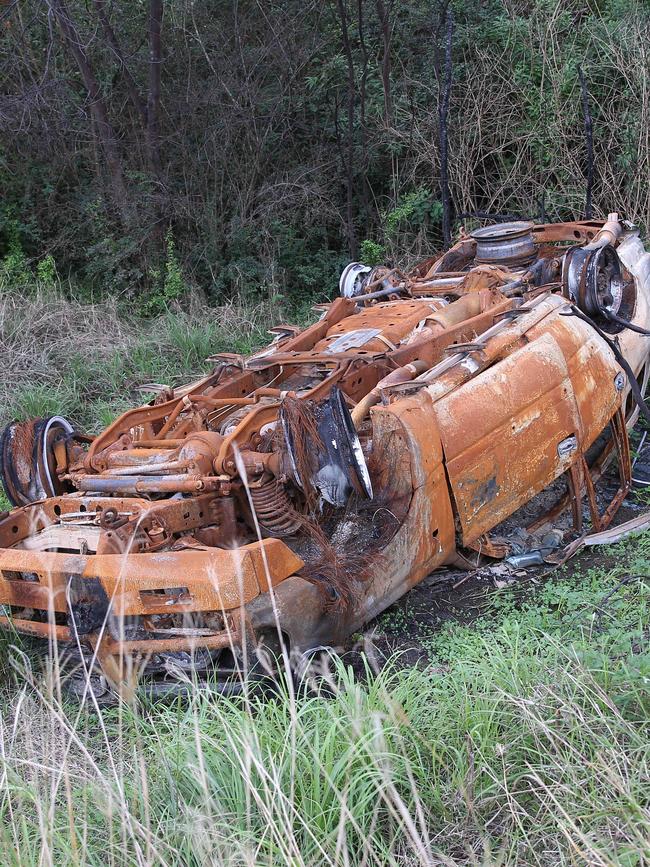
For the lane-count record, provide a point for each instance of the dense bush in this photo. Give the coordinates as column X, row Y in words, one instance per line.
column 283, row 135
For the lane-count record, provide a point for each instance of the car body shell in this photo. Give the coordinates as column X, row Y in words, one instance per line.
column 186, row 527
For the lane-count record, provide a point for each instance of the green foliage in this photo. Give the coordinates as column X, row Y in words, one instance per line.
column 282, row 263
column 14, row 268
column 610, row 642
column 102, row 413
column 46, row 271
column 109, row 266
column 14, row 271
column 414, row 210
column 371, row 253
column 173, row 284
column 39, row 401
column 257, row 197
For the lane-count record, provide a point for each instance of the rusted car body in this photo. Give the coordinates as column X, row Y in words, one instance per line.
column 291, row 496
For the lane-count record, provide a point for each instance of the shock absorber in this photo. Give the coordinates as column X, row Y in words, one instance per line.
column 274, row 510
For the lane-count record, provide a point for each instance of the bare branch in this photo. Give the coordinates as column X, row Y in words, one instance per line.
column 116, row 48
column 443, row 113
column 347, row 50
column 386, row 36
column 155, row 65
column 589, row 139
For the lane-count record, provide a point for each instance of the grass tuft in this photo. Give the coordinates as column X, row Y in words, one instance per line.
column 87, row 361
column 522, row 741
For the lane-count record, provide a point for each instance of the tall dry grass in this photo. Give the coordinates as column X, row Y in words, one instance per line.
column 522, row 758
column 524, row 741
column 87, row 360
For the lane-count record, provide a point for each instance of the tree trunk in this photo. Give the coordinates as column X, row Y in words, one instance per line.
column 347, row 49
column 153, row 101
column 362, row 117
column 383, row 13
column 589, row 139
column 443, row 112
column 105, row 131
column 111, row 38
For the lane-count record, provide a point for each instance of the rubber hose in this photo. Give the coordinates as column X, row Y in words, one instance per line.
column 617, row 319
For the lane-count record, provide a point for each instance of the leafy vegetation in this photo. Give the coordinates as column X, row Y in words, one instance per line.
column 260, row 147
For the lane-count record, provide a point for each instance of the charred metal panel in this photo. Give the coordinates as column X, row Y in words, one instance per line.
column 596, row 377
column 216, row 579
column 501, row 432
column 425, row 538
column 382, row 326
column 88, row 605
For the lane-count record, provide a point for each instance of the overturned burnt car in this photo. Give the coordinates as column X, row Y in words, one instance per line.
column 288, row 497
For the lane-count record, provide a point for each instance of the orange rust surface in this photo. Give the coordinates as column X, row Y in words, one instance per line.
column 411, row 453
column 395, row 319
column 501, row 430
column 227, row 638
column 46, row 630
column 216, row 579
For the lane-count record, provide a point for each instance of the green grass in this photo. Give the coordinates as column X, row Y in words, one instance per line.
column 523, row 741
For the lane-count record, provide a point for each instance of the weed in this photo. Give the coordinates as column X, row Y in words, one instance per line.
column 173, row 284
column 372, row 253
column 39, row 400
column 46, row 271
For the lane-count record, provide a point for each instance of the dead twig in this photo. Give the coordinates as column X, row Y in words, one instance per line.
column 628, row 580
column 589, row 139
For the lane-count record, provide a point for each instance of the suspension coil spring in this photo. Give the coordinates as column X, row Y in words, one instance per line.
column 274, row 510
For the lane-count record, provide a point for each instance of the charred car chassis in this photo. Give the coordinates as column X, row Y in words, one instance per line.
column 289, row 497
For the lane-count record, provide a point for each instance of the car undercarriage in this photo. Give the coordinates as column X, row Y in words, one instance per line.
column 287, row 498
